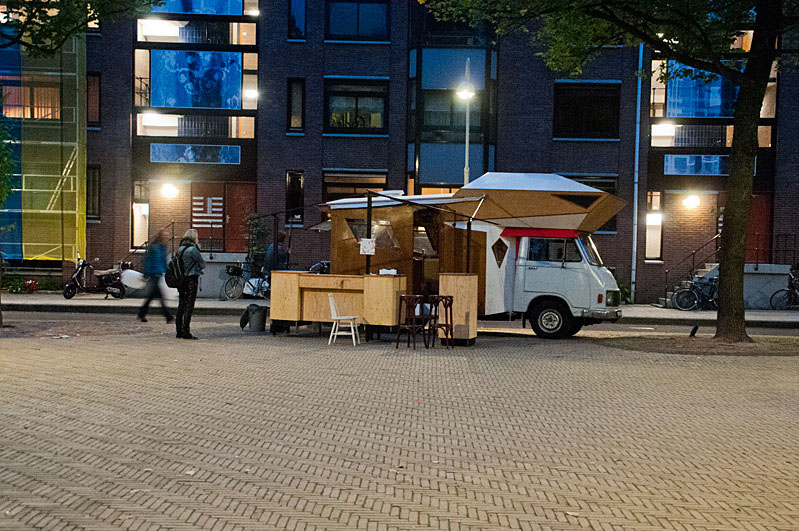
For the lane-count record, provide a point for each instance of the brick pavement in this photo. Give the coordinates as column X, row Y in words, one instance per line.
column 246, row 431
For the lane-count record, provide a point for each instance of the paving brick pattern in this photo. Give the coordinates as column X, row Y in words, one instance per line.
column 245, row 431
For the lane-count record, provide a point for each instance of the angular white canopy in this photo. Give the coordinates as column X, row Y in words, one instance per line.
column 538, row 200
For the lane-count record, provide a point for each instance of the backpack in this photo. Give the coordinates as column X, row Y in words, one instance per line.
column 174, row 270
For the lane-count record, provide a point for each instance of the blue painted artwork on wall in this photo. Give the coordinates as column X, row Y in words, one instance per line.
column 199, row 80
column 205, row 7
column 195, row 154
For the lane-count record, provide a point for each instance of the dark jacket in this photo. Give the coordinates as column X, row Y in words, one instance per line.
column 282, row 258
column 193, row 263
column 155, row 260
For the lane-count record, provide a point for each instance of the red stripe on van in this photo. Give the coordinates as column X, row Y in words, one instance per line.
column 518, row 232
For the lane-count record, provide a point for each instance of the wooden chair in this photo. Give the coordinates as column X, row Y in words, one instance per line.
column 441, row 319
column 409, row 321
column 337, row 319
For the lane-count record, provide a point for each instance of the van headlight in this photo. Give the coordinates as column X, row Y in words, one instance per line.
column 612, row 298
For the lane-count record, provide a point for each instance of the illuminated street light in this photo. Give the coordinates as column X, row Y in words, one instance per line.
column 465, row 92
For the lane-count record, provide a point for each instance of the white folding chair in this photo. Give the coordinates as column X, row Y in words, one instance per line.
column 337, row 319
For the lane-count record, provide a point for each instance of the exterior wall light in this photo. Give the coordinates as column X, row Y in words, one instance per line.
column 692, row 201
column 251, row 94
column 169, row 191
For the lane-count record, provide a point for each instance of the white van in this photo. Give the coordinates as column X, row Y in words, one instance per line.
column 560, row 284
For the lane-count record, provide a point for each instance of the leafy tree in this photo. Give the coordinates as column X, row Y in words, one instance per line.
column 698, row 34
column 43, row 26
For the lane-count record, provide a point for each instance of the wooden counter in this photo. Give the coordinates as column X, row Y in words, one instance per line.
column 300, row 296
column 463, row 288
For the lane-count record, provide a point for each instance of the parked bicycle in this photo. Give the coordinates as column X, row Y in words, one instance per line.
column 235, row 285
column 784, row 298
column 701, row 294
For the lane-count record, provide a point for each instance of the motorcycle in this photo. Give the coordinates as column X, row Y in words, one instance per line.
column 109, row 281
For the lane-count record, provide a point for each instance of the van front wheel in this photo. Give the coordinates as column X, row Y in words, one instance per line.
column 551, row 320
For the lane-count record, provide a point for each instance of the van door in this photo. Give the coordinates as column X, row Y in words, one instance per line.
column 546, row 271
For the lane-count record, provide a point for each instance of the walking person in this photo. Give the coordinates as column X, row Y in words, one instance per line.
column 278, row 262
column 193, row 265
column 154, row 269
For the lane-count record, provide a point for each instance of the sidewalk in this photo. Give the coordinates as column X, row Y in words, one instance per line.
column 631, row 314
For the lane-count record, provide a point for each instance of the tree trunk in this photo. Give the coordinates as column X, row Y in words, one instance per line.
column 731, row 325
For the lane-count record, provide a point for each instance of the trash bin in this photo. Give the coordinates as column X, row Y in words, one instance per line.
column 258, row 318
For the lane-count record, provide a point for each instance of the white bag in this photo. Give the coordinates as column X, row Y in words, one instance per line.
column 133, row 279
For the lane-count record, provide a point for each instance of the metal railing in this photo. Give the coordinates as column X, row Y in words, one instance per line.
column 701, row 251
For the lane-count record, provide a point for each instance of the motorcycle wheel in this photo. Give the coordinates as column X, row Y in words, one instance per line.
column 70, row 290
column 121, row 294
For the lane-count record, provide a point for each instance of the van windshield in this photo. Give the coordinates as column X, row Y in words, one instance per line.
column 590, row 250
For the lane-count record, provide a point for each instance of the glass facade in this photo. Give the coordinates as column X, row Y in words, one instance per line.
column 195, row 154
column 696, row 164
column 191, row 79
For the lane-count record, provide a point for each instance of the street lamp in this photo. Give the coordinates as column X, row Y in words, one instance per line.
column 466, row 93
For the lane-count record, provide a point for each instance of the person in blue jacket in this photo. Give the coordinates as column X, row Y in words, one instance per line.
column 154, row 269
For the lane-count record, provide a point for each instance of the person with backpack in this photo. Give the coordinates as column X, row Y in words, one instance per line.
column 154, row 269
column 191, row 264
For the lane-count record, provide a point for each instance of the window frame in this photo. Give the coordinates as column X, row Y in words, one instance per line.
column 652, row 208
column 289, row 220
column 565, row 246
column 577, row 85
column 289, row 83
column 289, row 36
column 94, row 216
column 327, row 128
column 357, row 37
column 98, row 77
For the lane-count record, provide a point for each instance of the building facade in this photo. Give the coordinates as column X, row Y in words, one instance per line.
column 212, row 112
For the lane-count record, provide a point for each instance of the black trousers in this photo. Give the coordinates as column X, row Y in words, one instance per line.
column 153, row 290
column 187, row 294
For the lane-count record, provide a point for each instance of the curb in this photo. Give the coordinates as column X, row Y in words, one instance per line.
column 133, row 310
column 121, row 310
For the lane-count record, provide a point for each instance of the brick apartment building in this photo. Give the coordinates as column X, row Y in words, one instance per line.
column 210, row 111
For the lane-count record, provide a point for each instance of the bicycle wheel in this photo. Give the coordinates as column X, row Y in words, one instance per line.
column 234, row 288
column 781, row 299
column 685, row 299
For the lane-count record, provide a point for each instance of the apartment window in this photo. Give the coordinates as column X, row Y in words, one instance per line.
column 93, row 192
column 296, row 105
column 339, row 185
column 93, row 100
column 296, row 19
column 357, row 19
column 141, row 213
column 586, row 111
column 356, row 108
column 444, row 117
column 654, row 226
column 295, row 197
column 34, row 97
column 194, row 125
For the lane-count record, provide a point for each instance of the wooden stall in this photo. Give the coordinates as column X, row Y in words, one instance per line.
column 303, row 297
column 463, row 289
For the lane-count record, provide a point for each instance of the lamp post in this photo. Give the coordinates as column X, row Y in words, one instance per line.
column 466, row 93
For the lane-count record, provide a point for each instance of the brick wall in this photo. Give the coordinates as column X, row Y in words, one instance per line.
column 684, row 230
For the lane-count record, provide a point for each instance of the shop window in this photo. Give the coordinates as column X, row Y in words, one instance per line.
column 586, row 111
column 295, row 197
column 340, row 185
column 654, row 226
column 296, row 19
column 93, row 192
column 296, row 105
column 551, row 250
column 357, row 20
column 93, row 100
column 356, row 108
column 382, row 233
column 141, row 213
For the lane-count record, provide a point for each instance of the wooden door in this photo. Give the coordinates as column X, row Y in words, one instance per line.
column 240, row 205
column 758, row 235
